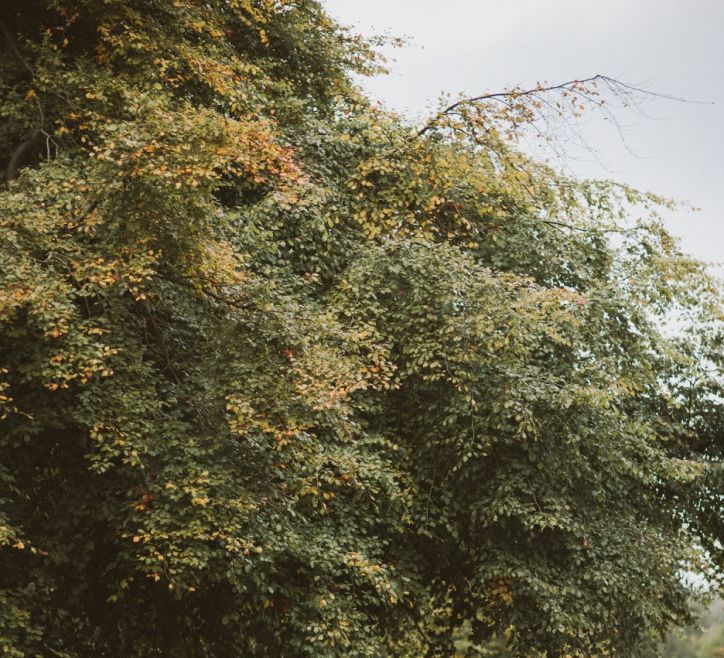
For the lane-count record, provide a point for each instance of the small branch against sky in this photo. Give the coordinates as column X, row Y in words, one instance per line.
column 547, row 115
column 537, row 106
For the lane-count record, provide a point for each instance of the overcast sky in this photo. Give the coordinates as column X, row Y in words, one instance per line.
column 670, row 46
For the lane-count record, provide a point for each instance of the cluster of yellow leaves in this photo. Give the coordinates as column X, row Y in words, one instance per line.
column 500, row 592
column 378, row 575
column 130, row 270
column 189, row 147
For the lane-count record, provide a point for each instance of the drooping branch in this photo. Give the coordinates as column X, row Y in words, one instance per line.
column 510, row 93
column 526, row 105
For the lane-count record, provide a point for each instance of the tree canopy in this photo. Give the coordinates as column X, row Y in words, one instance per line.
column 282, row 374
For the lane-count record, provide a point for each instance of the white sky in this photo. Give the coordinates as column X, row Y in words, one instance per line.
column 670, row 46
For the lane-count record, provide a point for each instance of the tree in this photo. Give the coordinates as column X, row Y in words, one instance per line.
column 282, row 375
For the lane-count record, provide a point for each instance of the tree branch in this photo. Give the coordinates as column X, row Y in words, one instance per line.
column 20, row 154
column 576, row 86
column 513, row 93
column 15, row 49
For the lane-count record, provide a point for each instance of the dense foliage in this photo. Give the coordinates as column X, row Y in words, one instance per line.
column 282, row 375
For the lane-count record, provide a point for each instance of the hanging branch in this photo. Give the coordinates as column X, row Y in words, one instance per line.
column 565, row 100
